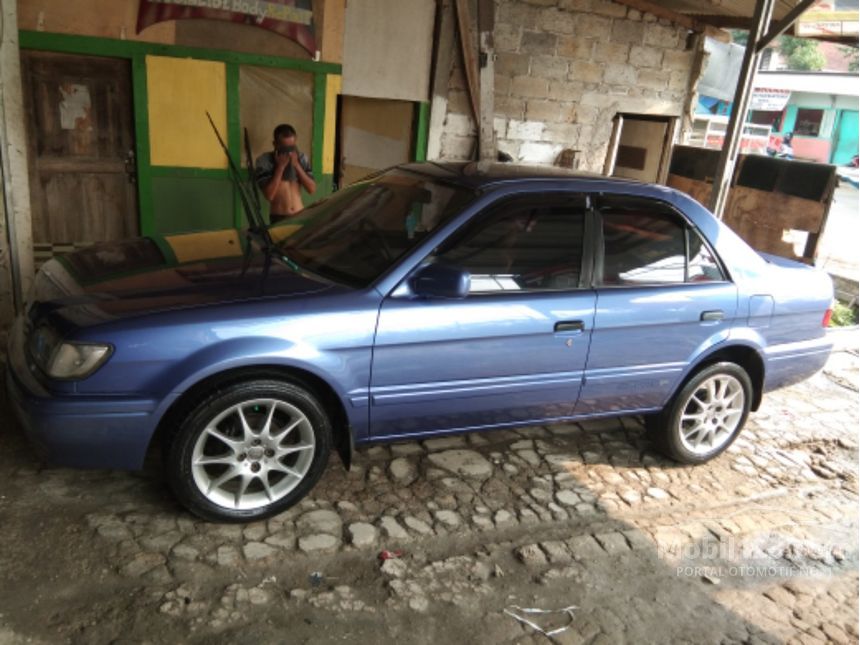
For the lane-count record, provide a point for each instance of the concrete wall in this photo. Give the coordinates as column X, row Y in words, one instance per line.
column 563, row 70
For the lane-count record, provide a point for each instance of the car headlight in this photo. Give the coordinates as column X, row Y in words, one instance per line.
column 74, row 360
column 66, row 360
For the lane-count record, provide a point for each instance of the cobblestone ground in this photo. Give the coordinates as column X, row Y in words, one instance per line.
column 758, row 546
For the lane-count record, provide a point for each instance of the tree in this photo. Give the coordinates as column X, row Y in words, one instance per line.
column 740, row 36
column 801, row 54
column 852, row 54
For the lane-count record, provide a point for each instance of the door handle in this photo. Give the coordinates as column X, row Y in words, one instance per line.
column 570, row 325
column 716, row 314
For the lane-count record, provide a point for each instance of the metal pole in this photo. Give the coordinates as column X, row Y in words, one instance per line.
column 740, row 105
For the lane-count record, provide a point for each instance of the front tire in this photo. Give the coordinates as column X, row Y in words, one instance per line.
column 705, row 416
column 249, row 450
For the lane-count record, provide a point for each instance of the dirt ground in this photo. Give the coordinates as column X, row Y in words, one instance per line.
column 758, row 546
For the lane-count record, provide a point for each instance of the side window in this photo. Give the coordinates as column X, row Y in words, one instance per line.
column 643, row 243
column 527, row 244
column 647, row 243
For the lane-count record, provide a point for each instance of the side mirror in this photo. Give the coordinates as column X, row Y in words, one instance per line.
column 441, row 281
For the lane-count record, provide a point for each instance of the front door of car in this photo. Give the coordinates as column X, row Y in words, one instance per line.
column 662, row 299
column 514, row 349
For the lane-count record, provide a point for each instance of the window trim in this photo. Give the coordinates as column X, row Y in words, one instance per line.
column 688, row 226
column 586, row 268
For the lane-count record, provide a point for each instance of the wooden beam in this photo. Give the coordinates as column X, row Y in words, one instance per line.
column 470, row 62
column 443, row 56
column 742, row 22
column 16, row 220
column 691, row 23
column 486, row 24
column 783, row 25
column 727, row 21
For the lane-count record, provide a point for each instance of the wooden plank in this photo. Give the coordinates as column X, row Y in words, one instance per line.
column 486, row 134
column 90, row 45
column 749, row 206
column 698, row 190
column 443, row 58
column 470, row 62
column 693, row 24
column 59, row 164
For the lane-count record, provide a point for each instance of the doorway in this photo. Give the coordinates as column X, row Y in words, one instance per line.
column 80, row 139
column 641, row 147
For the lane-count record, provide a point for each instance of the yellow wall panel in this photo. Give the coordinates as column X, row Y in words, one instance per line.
column 181, row 91
column 332, row 89
column 192, row 247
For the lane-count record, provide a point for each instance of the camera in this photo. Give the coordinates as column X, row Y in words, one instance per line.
column 285, row 150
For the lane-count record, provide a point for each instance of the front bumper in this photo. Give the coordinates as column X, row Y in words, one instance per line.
column 73, row 430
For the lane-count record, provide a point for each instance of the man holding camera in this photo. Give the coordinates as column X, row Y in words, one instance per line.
column 282, row 173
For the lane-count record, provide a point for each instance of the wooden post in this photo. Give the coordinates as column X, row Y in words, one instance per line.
column 740, row 105
column 443, row 55
column 16, row 260
column 486, row 80
column 696, row 69
column 614, row 141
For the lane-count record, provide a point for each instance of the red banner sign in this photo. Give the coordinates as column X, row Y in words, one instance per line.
column 292, row 19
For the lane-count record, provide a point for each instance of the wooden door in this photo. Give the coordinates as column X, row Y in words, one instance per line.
column 81, row 147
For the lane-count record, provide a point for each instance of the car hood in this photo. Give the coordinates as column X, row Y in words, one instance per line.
column 118, row 280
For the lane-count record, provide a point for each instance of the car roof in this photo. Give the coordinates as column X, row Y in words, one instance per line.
column 477, row 175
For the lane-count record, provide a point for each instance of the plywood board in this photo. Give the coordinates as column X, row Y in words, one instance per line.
column 698, row 190
column 181, row 91
column 387, row 48
column 761, row 208
column 376, row 134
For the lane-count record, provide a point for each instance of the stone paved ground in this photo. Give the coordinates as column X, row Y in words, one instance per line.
column 757, row 546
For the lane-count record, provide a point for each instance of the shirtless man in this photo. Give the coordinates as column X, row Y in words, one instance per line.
column 282, row 173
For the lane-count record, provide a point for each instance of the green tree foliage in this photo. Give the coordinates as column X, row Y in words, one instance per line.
column 740, row 36
column 801, row 54
column 852, row 54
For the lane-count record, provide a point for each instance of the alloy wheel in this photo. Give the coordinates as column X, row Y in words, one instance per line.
column 253, row 454
column 712, row 414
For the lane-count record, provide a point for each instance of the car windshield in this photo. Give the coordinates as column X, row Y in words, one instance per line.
column 358, row 233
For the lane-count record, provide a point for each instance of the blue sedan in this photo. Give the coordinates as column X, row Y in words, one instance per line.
column 430, row 299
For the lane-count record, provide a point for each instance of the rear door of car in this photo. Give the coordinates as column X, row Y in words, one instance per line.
column 662, row 299
column 514, row 349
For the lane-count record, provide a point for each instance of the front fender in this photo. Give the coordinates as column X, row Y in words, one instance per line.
column 348, row 376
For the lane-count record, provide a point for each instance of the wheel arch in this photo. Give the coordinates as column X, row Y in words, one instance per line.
column 747, row 357
column 331, row 402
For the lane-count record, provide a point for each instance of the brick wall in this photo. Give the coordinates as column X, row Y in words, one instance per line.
column 563, row 69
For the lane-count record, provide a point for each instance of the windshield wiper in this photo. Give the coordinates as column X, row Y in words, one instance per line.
column 250, row 199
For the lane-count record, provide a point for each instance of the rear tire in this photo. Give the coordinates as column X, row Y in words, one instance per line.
column 705, row 416
column 249, row 450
